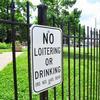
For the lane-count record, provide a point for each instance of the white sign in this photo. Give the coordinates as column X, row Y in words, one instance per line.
column 46, row 57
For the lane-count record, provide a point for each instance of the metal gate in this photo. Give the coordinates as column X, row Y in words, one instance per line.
column 81, row 61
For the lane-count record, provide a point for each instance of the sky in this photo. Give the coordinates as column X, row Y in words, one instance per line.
column 90, row 11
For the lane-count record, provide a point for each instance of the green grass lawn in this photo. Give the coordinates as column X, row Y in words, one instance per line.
column 6, row 78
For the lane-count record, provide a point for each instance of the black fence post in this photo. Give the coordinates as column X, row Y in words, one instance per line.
column 42, row 14
column 42, row 20
column 53, row 24
column 13, row 50
column 99, row 69
column 74, row 58
column 91, row 76
column 79, row 62
column 62, row 92
column 28, row 42
column 69, row 82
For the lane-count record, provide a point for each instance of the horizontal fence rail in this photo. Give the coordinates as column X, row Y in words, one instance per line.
column 81, row 64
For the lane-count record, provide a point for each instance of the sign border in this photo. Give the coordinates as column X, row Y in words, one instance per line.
column 32, row 58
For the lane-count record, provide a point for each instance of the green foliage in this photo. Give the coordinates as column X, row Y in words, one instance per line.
column 2, row 34
column 59, row 9
column 20, row 16
column 4, row 5
column 5, row 46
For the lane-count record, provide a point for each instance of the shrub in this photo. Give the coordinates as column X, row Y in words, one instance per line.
column 5, row 45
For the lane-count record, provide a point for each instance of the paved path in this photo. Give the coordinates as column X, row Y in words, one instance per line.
column 6, row 58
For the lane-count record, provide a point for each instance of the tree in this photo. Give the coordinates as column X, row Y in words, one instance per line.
column 59, row 9
column 20, row 16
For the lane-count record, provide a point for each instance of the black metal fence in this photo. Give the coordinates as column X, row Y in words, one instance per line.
column 81, row 62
